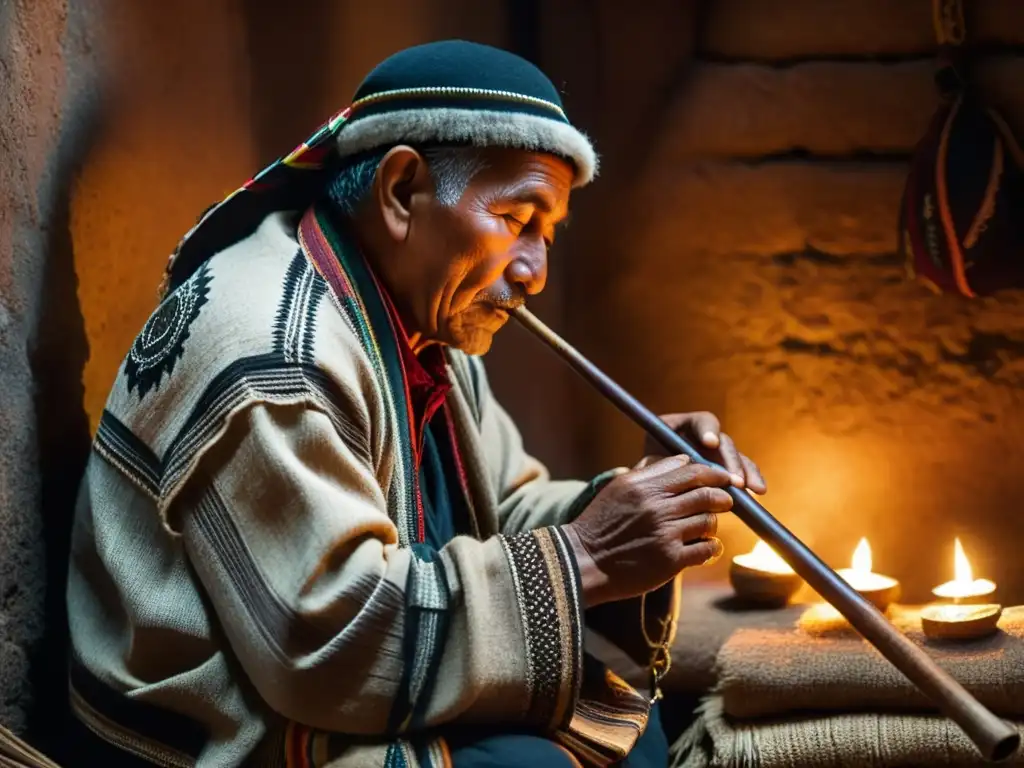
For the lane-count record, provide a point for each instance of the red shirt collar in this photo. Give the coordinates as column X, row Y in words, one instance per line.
column 426, row 373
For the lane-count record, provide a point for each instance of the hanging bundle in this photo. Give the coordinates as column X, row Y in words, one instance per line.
column 961, row 223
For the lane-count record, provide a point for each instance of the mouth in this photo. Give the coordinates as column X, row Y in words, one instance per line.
column 505, row 307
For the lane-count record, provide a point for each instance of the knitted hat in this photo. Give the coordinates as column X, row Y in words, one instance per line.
column 449, row 92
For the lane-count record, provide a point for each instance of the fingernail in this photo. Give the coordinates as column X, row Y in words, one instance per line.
column 736, row 480
column 719, row 549
column 710, row 439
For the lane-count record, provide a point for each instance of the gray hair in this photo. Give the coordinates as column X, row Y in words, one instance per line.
column 451, row 169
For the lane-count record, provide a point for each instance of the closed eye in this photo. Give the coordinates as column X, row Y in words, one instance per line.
column 515, row 223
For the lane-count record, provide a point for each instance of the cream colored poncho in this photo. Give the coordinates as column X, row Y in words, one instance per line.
column 244, row 577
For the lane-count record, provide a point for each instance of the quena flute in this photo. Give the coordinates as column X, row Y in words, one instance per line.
column 995, row 739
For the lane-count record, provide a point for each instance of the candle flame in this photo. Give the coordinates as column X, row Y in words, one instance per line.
column 963, row 585
column 862, row 557
column 764, row 558
column 962, row 566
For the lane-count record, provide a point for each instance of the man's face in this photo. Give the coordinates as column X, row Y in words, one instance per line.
column 460, row 268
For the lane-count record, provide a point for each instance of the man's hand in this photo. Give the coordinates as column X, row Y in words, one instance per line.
column 646, row 526
column 703, row 432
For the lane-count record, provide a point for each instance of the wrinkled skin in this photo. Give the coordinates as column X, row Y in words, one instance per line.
column 455, row 271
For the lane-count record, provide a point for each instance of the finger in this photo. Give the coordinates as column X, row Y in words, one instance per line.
column 700, row 425
column 693, row 529
column 703, row 552
column 755, row 481
column 731, row 459
column 697, row 502
column 646, row 461
column 681, row 479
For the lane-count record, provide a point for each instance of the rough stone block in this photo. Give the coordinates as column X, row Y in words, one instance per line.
column 772, row 207
column 824, row 108
column 830, row 108
column 795, row 29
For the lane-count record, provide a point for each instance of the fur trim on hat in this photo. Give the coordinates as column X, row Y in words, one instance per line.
column 478, row 127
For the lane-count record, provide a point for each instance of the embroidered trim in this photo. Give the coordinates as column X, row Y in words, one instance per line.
column 446, row 92
column 344, row 272
column 153, row 734
column 608, row 719
column 945, row 215
column 427, row 600
column 295, row 324
column 547, row 592
column 400, row 755
column 119, row 446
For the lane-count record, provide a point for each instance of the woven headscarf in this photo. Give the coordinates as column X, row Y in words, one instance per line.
column 449, row 92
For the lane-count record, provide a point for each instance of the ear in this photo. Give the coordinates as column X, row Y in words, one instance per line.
column 402, row 178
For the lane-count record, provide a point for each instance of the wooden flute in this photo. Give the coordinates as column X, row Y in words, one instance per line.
column 995, row 739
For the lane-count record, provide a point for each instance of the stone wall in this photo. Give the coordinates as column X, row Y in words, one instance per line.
column 750, row 268
column 47, row 109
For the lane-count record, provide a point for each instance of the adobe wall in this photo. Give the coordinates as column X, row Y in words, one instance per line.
column 749, row 268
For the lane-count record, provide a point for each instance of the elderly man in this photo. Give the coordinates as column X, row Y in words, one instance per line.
column 308, row 534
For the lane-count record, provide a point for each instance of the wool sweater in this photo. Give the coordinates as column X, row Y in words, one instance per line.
column 249, row 582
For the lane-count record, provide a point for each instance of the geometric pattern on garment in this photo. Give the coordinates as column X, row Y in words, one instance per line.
column 549, row 601
column 161, row 343
column 295, row 323
column 428, row 592
column 426, row 629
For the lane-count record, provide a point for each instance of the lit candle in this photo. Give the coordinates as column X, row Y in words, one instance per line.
column 761, row 576
column 880, row 590
column 964, row 588
column 763, row 558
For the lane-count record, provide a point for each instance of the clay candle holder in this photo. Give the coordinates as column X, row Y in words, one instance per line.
column 967, row 609
column 964, row 589
column 960, row 622
column 878, row 589
column 760, row 576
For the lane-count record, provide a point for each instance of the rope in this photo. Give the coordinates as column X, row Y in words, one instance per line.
column 948, row 20
column 661, row 654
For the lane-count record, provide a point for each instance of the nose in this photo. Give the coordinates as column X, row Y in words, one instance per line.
column 529, row 269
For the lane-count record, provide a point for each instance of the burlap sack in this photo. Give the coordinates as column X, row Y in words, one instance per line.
column 837, row 741
column 823, row 666
column 708, row 618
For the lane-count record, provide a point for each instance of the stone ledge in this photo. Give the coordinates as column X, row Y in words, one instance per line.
column 793, row 29
column 826, row 108
column 771, row 208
